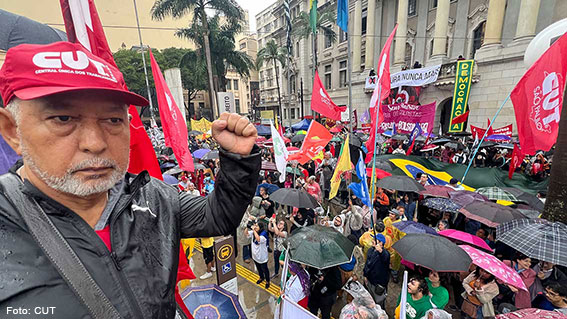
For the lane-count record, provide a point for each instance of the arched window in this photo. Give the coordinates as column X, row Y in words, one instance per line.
column 478, row 38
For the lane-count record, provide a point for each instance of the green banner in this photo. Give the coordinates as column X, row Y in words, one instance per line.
column 461, row 96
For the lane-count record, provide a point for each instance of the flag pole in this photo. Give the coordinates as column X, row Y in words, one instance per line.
column 484, row 136
column 373, row 178
column 349, row 73
column 153, row 120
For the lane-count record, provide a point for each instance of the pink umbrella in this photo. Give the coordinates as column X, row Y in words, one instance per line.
column 495, row 266
column 458, row 235
column 531, row 313
column 437, row 191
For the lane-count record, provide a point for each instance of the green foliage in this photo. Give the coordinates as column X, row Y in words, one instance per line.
column 326, row 18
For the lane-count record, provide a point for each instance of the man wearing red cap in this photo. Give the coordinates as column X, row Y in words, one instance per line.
column 66, row 114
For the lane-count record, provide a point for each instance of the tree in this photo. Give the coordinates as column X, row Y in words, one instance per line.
column 272, row 53
column 556, row 201
column 224, row 54
column 325, row 21
column 196, row 9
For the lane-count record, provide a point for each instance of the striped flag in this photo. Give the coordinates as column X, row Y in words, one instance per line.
column 287, row 15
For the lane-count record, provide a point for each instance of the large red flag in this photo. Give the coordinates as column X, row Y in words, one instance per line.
column 515, row 161
column 315, row 141
column 172, row 121
column 538, row 99
column 321, row 101
column 490, row 130
column 382, row 88
column 83, row 25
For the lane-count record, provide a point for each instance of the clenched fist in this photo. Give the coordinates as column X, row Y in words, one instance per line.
column 234, row 133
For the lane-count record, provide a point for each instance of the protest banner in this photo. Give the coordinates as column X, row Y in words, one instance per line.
column 413, row 77
column 463, row 80
column 404, row 116
column 504, row 130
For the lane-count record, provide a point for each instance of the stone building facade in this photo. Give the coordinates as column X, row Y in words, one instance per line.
column 495, row 33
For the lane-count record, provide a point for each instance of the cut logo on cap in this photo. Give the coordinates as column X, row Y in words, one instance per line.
column 71, row 63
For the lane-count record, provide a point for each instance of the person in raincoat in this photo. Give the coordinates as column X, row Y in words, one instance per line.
column 392, row 235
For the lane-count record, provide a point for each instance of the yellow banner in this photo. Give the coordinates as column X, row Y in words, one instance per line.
column 202, row 125
column 343, row 165
column 461, row 95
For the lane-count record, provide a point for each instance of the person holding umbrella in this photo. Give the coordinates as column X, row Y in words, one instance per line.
column 260, row 252
column 480, row 288
column 377, row 270
column 521, row 264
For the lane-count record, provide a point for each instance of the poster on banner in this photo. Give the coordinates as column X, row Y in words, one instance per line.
column 225, row 261
column 404, row 116
column 226, row 102
column 463, row 79
column 413, row 77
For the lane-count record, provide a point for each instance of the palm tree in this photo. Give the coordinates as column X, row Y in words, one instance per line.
column 272, row 53
column 196, row 8
column 325, row 20
column 223, row 51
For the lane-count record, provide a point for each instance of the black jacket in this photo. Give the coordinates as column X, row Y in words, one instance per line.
column 377, row 267
column 139, row 275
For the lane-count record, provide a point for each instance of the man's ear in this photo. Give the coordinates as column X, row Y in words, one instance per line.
column 9, row 130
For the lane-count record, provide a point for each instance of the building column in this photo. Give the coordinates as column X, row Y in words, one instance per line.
column 460, row 33
column 370, row 20
column 401, row 33
column 494, row 22
column 527, row 19
column 441, row 26
column 357, row 36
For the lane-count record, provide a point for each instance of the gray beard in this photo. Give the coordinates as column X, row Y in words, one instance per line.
column 71, row 184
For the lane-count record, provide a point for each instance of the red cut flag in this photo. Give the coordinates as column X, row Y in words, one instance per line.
column 382, row 88
column 83, row 25
column 172, row 121
column 515, row 161
column 461, row 118
column 315, row 141
column 490, row 130
column 538, row 99
column 321, row 101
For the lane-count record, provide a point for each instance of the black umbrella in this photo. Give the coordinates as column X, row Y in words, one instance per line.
column 455, row 145
column 212, row 155
column 532, row 200
column 294, row 197
column 490, row 213
column 195, row 133
column 505, row 146
column 319, row 247
column 400, row 137
column 487, row 144
column 433, row 252
column 298, row 138
column 442, row 140
column 400, row 183
column 355, row 140
column 383, row 165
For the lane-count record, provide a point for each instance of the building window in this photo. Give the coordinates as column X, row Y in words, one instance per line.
column 412, row 8
column 362, row 61
column 292, row 83
column 237, row 105
column 342, row 36
column 228, row 86
column 328, row 42
column 433, row 4
column 364, row 21
column 342, row 73
column 292, row 113
column 297, row 49
column 285, row 114
column 478, row 38
column 235, row 85
column 328, row 82
column 201, row 105
column 242, row 45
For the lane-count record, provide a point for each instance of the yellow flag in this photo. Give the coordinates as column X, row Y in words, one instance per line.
column 343, row 165
column 319, row 156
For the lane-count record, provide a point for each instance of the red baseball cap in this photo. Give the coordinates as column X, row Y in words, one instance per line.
column 32, row 71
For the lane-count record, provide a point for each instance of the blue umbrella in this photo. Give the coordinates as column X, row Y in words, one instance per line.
column 200, row 152
column 498, row 138
column 411, row 227
column 167, row 165
column 442, row 204
column 212, row 302
column 270, row 188
column 170, row 179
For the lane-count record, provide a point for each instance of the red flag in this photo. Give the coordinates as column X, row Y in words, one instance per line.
column 172, row 121
column 515, row 161
column 321, row 101
column 83, row 25
column 382, row 88
column 461, row 118
column 281, row 131
column 538, row 99
column 315, row 141
column 490, row 130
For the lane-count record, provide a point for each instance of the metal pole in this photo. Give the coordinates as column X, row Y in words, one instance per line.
column 314, row 64
column 289, row 89
column 373, row 178
column 145, row 70
column 302, row 110
column 349, row 72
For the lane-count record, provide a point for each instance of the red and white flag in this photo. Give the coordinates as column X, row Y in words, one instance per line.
column 321, row 101
column 381, row 92
column 315, row 141
column 83, row 25
column 172, row 121
column 538, row 99
column 515, row 160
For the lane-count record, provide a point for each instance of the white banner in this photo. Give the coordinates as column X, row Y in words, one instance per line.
column 226, row 102
column 413, row 77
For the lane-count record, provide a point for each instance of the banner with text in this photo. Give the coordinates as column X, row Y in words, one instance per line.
column 504, row 130
column 406, row 115
column 463, row 80
column 413, row 77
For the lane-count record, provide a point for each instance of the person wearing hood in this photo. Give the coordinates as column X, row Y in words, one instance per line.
column 298, row 286
column 338, row 223
column 377, row 270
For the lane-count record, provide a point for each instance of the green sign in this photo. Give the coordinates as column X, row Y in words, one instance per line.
column 461, row 96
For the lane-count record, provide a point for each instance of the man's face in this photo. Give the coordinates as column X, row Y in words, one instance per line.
column 327, row 156
column 191, row 187
column 423, row 178
column 434, row 277
column 75, row 143
column 481, row 233
column 552, row 296
column 413, row 287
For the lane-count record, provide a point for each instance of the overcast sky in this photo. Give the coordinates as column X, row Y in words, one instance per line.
column 253, row 7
